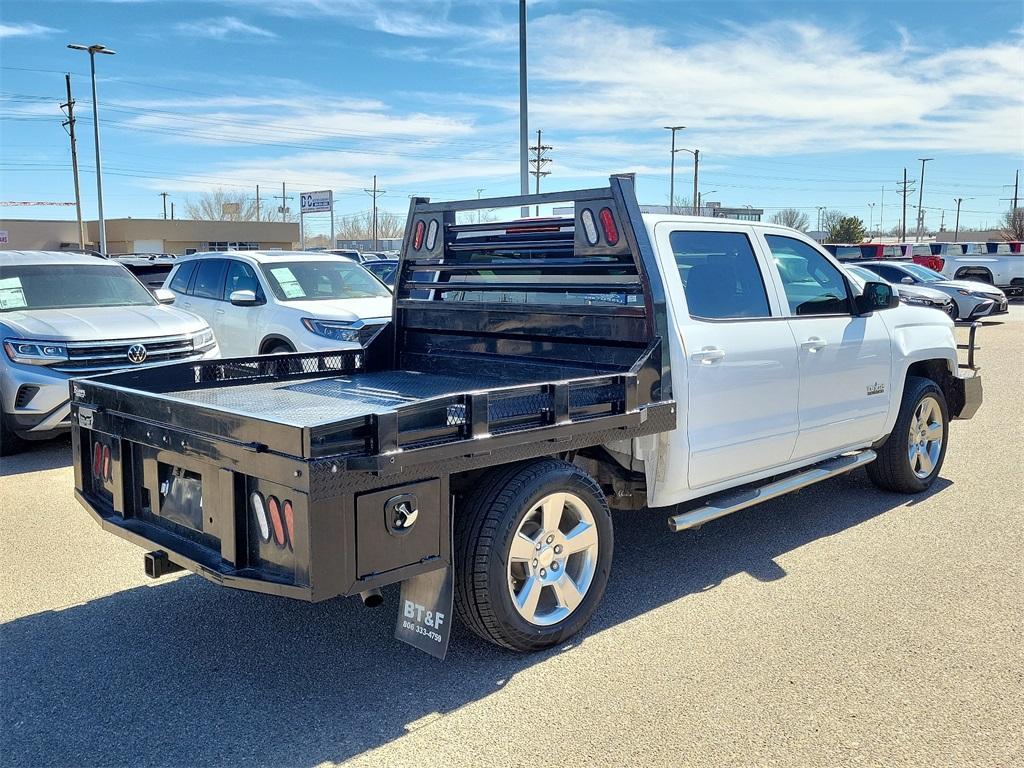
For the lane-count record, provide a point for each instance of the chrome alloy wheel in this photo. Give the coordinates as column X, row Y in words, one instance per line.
column 553, row 558
column 926, row 433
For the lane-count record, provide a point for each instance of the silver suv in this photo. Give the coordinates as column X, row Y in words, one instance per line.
column 64, row 315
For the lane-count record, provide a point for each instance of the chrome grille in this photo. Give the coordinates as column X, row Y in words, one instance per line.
column 94, row 356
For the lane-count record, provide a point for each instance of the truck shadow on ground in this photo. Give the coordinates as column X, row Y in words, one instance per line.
column 40, row 456
column 187, row 673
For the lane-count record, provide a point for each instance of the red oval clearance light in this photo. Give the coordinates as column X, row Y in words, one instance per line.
column 97, row 458
column 289, row 522
column 106, row 463
column 417, row 240
column 431, row 234
column 274, row 510
column 611, row 231
column 259, row 510
column 589, row 226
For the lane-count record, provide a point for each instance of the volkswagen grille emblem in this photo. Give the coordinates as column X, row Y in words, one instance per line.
column 136, row 354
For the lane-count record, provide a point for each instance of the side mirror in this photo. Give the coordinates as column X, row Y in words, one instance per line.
column 245, row 298
column 876, row 296
column 164, row 296
column 907, row 281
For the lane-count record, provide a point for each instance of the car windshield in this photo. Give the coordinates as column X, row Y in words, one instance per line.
column 867, row 275
column 69, row 286
column 316, row 280
column 923, row 274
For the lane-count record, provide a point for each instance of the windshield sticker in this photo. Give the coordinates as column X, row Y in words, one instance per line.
column 12, row 296
column 289, row 285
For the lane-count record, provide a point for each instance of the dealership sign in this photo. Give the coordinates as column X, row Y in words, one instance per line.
column 316, row 202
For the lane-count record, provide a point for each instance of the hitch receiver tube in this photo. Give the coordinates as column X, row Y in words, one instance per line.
column 158, row 564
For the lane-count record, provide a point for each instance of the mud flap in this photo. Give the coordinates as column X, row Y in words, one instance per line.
column 425, row 611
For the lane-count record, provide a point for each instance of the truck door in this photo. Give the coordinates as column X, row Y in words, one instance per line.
column 739, row 358
column 845, row 360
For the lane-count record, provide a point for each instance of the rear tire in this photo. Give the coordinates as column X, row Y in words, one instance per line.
column 911, row 457
column 533, row 552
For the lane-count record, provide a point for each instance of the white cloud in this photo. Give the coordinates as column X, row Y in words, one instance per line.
column 779, row 87
column 27, row 29
column 222, row 28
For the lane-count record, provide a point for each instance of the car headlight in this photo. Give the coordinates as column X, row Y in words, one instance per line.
column 203, row 340
column 35, row 352
column 916, row 300
column 332, row 329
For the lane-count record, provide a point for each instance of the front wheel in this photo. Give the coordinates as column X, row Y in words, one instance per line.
column 533, row 551
column 911, row 457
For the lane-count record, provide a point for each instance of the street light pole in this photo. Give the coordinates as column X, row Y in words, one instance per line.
column 871, row 225
column 672, row 171
column 524, row 130
column 92, row 51
column 920, row 197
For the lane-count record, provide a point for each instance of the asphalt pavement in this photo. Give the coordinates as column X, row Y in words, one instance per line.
column 838, row 626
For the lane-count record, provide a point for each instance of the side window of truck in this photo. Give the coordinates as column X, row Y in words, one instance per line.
column 813, row 285
column 720, row 275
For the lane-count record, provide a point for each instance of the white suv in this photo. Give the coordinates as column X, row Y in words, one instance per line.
column 282, row 301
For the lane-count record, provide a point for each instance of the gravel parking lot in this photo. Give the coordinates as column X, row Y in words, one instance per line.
column 838, row 626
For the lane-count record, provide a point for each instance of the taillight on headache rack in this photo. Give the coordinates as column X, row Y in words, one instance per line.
column 611, row 231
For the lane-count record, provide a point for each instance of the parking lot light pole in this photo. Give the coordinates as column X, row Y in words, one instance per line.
column 93, row 50
column 920, row 198
column 672, row 171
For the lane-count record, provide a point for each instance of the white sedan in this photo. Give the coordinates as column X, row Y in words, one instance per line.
column 281, row 301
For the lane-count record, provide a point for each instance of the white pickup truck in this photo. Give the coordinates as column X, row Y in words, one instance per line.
column 537, row 373
column 998, row 265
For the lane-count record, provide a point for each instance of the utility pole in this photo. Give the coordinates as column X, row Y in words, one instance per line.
column 1016, row 186
column 672, row 169
column 956, row 231
column 524, row 130
column 696, row 170
column 377, row 193
column 70, row 125
column 164, row 196
column 257, row 202
column 920, row 197
column 172, row 210
column 881, row 214
column 871, row 226
column 942, row 221
column 283, row 208
column 820, row 209
column 479, row 216
column 906, row 187
column 539, row 162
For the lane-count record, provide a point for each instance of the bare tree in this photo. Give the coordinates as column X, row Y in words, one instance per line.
column 226, row 205
column 360, row 226
column 791, row 217
column 830, row 219
column 1012, row 224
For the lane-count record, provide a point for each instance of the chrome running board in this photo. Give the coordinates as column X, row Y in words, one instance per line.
column 728, row 503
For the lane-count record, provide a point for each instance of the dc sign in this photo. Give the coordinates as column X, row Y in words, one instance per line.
column 316, row 202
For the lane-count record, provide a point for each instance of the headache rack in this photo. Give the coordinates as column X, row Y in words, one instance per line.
column 501, row 329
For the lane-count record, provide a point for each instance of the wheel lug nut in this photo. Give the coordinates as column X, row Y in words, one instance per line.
column 554, row 566
column 543, row 573
column 535, row 563
column 538, row 547
column 558, row 549
column 550, row 538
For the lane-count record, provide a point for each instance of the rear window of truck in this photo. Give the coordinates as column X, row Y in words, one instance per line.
column 720, row 275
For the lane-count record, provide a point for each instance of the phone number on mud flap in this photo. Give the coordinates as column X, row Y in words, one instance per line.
column 435, row 636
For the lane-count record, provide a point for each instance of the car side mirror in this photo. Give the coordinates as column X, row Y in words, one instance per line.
column 907, row 281
column 243, row 298
column 876, row 296
column 164, row 296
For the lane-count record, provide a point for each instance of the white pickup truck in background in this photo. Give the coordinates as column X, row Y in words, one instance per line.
column 1001, row 268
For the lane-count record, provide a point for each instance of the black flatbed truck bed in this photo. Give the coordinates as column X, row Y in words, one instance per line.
column 510, row 341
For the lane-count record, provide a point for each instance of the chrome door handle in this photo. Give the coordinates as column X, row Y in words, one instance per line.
column 219, row 312
column 814, row 343
column 708, row 355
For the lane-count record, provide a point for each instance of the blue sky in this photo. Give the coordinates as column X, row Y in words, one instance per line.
column 791, row 104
